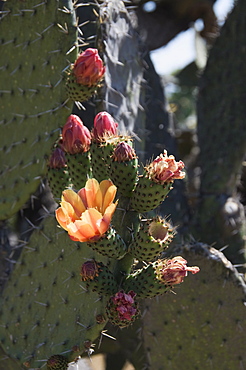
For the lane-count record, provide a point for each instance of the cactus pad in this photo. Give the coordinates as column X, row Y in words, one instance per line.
column 46, row 308
column 203, row 324
column 33, row 97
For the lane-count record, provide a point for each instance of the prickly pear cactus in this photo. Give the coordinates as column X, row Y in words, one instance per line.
column 37, row 41
column 204, row 323
column 47, row 308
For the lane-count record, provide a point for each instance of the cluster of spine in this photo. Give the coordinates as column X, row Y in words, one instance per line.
column 107, row 165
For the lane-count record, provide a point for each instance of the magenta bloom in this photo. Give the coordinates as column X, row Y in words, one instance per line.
column 57, row 159
column 174, row 271
column 88, row 68
column 104, row 126
column 76, row 137
column 124, row 305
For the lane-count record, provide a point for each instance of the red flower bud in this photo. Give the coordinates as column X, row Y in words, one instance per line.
column 89, row 270
column 123, row 152
column 76, row 137
column 88, row 68
column 104, row 126
column 174, row 271
column 57, row 159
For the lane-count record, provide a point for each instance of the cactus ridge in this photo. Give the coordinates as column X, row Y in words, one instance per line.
column 33, row 102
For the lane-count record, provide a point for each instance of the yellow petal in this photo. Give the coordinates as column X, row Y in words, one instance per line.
column 88, row 193
column 109, row 195
column 61, row 218
column 74, row 199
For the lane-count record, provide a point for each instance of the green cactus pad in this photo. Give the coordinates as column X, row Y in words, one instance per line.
column 78, row 92
column 124, row 175
column 203, row 324
column 144, row 282
column 33, row 97
column 103, row 282
column 152, row 238
column 46, row 308
column 110, row 244
column 79, row 169
column 148, row 195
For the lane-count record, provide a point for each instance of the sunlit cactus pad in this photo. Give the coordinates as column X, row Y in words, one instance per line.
column 46, row 308
column 32, row 92
column 203, row 325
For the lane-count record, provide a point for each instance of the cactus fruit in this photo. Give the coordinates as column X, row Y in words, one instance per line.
column 98, row 278
column 57, row 174
column 85, row 75
column 158, row 277
column 156, row 182
column 110, row 244
column 33, row 100
column 75, row 141
column 123, row 169
column 152, row 238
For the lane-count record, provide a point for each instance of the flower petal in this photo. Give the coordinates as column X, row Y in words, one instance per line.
column 74, row 199
column 109, row 192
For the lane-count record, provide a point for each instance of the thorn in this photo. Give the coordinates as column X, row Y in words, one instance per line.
column 63, row 29
column 71, row 49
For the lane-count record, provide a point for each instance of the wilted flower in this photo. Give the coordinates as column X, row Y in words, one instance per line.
column 86, row 215
column 89, row 270
column 57, row 159
column 173, row 271
column 123, row 152
column 104, row 126
column 88, row 68
column 165, row 169
column 76, row 137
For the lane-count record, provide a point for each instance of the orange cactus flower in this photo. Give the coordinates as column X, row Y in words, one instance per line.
column 86, row 215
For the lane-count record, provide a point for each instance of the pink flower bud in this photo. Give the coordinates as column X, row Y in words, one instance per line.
column 88, row 68
column 104, row 126
column 123, row 152
column 174, row 271
column 164, row 168
column 89, row 270
column 57, row 159
column 76, row 137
